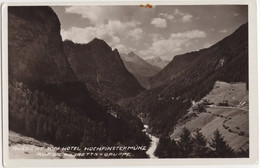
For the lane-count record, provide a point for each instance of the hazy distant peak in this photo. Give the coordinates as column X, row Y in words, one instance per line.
column 154, row 57
column 131, row 53
column 157, row 61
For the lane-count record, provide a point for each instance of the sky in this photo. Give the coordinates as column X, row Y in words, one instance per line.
column 161, row 31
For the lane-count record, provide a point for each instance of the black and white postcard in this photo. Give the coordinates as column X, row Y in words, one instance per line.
column 140, row 82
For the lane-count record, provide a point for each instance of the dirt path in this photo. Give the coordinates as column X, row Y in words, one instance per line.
column 227, row 118
column 227, row 107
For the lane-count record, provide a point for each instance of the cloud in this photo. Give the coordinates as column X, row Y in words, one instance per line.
column 190, row 34
column 177, row 12
column 156, row 37
column 84, row 35
column 98, row 14
column 135, row 34
column 159, row 22
column 94, row 13
column 207, row 45
column 112, row 32
column 182, row 16
column 121, row 48
column 116, row 26
column 107, row 24
column 166, row 48
column 186, row 18
column 223, row 31
column 166, row 16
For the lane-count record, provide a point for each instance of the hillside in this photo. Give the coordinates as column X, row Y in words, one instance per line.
column 175, row 68
column 101, row 69
column 232, row 121
column 139, row 68
column 162, row 106
column 227, row 60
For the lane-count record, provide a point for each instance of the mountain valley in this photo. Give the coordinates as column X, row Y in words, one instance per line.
column 63, row 93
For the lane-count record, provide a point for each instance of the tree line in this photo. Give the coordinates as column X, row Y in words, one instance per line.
column 35, row 114
column 196, row 146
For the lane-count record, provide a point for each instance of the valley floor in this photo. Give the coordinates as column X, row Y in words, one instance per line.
column 232, row 120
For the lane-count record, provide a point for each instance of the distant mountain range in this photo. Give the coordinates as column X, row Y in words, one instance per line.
column 139, row 67
column 157, row 61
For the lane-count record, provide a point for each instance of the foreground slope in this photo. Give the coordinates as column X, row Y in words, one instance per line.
column 39, row 149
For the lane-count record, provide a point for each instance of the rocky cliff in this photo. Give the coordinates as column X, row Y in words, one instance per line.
column 101, row 69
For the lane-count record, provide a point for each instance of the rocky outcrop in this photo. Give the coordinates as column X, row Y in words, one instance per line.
column 35, row 47
column 101, row 69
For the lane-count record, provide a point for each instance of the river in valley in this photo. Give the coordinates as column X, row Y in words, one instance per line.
column 153, row 144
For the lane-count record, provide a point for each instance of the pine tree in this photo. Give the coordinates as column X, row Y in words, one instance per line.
column 220, row 148
column 28, row 123
column 45, row 129
column 200, row 149
column 185, row 143
column 175, row 149
column 242, row 153
column 163, row 150
column 84, row 141
column 58, row 136
column 39, row 128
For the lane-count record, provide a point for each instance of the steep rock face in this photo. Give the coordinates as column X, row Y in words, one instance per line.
column 141, row 69
column 35, row 47
column 36, row 57
column 101, row 69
